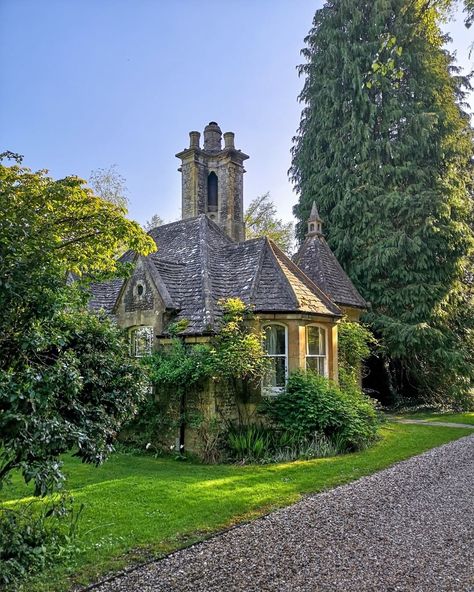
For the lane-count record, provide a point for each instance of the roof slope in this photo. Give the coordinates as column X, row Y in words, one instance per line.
column 197, row 264
column 319, row 263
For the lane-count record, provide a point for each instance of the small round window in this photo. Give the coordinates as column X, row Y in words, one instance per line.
column 140, row 289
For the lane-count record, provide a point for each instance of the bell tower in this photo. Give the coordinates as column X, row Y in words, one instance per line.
column 212, row 180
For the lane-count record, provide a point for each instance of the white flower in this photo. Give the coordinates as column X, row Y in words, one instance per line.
column 148, row 446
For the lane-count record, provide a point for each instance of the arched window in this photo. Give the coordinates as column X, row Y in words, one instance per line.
column 212, row 186
column 141, row 341
column 311, row 227
column 316, row 349
column 276, row 348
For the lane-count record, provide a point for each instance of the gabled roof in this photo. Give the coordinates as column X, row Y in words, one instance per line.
column 104, row 294
column 197, row 264
column 319, row 263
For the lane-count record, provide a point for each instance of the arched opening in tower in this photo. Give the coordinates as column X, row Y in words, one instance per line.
column 212, row 203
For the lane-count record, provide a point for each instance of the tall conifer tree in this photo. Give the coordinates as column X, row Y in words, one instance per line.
column 385, row 149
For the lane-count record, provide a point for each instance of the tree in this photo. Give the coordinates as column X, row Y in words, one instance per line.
column 110, row 185
column 65, row 380
column 385, row 149
column 153, row 222
column 469, row 10
column 261, row 220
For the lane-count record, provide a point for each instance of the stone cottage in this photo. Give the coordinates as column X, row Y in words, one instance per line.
column 204, row 257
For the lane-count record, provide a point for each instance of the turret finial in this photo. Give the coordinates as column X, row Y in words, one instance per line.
column 315, row 226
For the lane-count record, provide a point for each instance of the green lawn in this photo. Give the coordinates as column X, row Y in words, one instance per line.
column 138, row 506
column 449, row 417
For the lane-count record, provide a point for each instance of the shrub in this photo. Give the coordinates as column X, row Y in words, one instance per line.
column 181, row 372
column 312, row 404
column 31, row 538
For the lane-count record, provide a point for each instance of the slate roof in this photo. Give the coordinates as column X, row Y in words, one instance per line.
column 197, row 264
column 319, row 263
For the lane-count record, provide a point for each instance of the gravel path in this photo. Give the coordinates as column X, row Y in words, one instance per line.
column 407, row 528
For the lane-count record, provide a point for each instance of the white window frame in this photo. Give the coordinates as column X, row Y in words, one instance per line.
column 272, row 391
column 132, row 335
column 326, row 343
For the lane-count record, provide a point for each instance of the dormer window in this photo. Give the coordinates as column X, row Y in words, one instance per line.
column 212, row 192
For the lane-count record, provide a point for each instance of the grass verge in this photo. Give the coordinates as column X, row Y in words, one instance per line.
column 467, row 418
column 138, row 507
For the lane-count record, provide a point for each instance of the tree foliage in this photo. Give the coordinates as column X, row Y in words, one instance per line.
column 153, row 222
column 234, row 352
column 261, row 220
column 65, row 380
column 110, row 185
column 385, row 149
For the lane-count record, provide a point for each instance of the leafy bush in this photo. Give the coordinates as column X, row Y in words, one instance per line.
column 180, row 373
column 355, row 344
column 73, row 394
column 31, row 538
column 312, row 404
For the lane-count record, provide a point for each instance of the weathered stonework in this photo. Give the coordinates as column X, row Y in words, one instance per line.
column 227, row 164
column 140, row 310
column 139, row 293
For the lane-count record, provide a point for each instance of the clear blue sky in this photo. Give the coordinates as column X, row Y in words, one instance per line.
column 89, row 83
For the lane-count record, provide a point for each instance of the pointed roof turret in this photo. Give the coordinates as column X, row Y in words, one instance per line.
column 319, row 263
column 315, row 224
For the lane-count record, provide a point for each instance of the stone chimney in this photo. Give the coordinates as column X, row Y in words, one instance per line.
column 212, row 180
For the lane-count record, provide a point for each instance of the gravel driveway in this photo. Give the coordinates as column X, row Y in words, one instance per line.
column 407, row 528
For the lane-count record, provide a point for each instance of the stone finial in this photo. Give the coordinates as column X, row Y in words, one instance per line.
column 212, row 137
column 229, row 140
column 315, row 225
column 194, row 139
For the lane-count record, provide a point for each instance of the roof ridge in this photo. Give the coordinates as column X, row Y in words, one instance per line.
column 160, row 284
column 269, row 246
column 258, row 274
column 322, row 240
column 306, row 280
column 205, row 276
column 214, row 226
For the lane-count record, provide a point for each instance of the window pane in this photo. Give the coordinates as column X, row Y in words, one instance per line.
column 141, row 340
column 316, row 341
column 275, row 340
column 276, row 375
column 316, row 365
